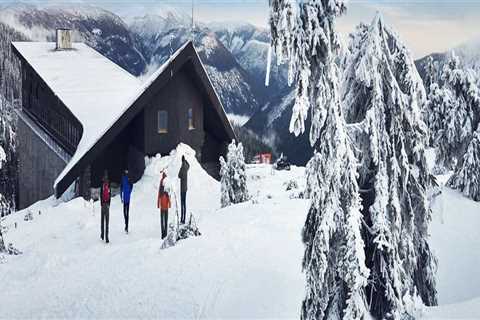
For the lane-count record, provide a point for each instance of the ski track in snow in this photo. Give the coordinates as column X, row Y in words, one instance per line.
column 246, row 263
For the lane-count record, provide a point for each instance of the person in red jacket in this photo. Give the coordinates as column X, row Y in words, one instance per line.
column 163, row 203
column 105, row 197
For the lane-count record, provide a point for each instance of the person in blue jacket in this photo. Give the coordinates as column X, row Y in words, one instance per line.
column 125, row 193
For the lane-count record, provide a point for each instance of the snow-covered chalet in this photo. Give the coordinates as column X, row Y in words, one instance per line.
column 82, row 114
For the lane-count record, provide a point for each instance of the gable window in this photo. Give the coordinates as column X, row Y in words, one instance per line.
column 162, row 121
column 191, row 125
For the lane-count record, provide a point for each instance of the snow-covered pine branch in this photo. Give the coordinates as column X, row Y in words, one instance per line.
column 432, row 73
column 3, row 158
column 8, row 156
column 383, row 97
column 233, row 176
column 467, row 177
column 304, row 38
column 454, row 113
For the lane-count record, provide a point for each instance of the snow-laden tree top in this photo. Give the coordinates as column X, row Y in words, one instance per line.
column 304, row 37
column 376, row 51
column 383, row 98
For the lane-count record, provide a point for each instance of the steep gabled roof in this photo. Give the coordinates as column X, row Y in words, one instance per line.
column 91, row 86
column 126, row 107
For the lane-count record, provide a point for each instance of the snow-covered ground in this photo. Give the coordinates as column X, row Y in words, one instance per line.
column 455, row 239
column 246, row 263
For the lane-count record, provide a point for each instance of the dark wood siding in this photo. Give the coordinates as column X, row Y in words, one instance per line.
column 48, row 111
column 39, row 163
column 177, row 97
column 124, row 152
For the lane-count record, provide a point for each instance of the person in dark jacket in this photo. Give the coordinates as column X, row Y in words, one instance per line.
column 183, row 176
column 125, row 193
column 105, row 197
column 163, row 203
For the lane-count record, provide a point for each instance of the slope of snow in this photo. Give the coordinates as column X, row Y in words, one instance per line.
column 246, row 263
column 277, row 112
column 233, row 81
column 455, row 238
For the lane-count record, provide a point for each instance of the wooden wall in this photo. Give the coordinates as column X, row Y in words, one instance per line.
column 48, row 110
column 176, row 98
column 39, row 163
column 125, row 152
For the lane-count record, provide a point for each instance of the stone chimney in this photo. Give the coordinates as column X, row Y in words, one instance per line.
column 64, row 39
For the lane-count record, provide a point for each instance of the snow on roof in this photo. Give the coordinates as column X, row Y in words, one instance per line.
column 95, row 89
column 91, row 86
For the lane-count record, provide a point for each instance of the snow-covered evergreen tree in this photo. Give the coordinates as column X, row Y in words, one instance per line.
column 457, row 103
column 467, row 176
column 433, row 113
column 431, row 73
column 441, row 119
column 225, row 187
column 233, row 176
column 8, row 146
column 304, row 37
column 3, row 203
column 383, row 97
column 10, row 89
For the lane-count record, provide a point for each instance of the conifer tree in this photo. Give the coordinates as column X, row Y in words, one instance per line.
column 431, row 73
column 458, row 105
column 383, row 97
column 304, row 37
column 225, row 187
column 233, row 176
column 467, row 177
column 3, row 203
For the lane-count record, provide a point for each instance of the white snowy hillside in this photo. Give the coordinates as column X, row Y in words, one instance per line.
column 455, row 239
column 246, row 263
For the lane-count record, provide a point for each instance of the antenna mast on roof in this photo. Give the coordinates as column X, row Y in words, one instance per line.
column 193, row 23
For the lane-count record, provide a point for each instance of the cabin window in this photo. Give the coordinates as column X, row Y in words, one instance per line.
column 162, row 121
column 191, row 125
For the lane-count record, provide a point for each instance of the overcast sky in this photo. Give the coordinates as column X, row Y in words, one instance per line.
column 425, row 25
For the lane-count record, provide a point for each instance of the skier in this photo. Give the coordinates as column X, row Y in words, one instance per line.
column 183, row 175
column 163, row 203
column 125, row 193
column 105, row 196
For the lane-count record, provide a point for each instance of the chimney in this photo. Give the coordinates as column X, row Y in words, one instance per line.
column 64, row 39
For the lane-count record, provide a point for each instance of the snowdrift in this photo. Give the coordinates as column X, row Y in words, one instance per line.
column 245, row 264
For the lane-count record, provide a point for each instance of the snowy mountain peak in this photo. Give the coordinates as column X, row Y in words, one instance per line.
column 160, row 20
column 170, row 13
column 378, row 21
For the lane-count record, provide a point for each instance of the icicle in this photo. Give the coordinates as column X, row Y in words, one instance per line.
column 269, row 66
